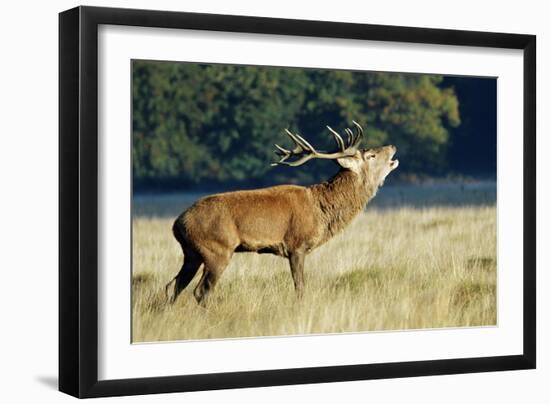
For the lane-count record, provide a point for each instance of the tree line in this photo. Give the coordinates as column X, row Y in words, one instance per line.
column 208, row 125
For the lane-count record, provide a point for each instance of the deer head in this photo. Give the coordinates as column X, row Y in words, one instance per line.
column 372, row 165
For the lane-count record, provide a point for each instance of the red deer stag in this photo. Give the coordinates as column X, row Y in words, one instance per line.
column 286, row 220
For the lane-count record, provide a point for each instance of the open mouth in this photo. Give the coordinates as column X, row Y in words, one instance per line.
column 393, row 163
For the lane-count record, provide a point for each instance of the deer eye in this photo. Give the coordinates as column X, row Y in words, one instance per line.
column 371, row 156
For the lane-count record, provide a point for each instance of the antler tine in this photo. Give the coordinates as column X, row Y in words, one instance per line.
column 282, row 151
column 295, row 163
column 308, row 145
column 302, row 146
column 359, row 134
column 351, row 137
column 338, row 138
column 300, row 141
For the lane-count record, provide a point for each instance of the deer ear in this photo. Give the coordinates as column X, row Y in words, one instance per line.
column 351, row 163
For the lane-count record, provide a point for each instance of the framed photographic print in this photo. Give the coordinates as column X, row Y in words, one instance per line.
column 251, row 201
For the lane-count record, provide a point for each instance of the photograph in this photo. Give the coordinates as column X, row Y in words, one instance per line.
column 276, row 201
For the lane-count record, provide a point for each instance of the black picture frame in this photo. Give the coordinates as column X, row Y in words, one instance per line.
column 78, row 201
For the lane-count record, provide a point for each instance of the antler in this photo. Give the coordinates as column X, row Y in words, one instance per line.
column 305, row 151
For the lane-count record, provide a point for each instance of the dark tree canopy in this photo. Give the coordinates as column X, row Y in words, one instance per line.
column 199, row 124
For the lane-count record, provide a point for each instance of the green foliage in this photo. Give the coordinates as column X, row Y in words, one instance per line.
column 201, row 124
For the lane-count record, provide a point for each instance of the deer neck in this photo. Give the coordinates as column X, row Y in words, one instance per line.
column 341, row 199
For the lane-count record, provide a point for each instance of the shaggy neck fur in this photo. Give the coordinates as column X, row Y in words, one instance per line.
column 341, row 199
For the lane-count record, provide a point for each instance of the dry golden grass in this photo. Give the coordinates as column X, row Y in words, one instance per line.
column 389, row 270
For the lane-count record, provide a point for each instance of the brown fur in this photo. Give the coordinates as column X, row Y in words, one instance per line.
column 287, row 220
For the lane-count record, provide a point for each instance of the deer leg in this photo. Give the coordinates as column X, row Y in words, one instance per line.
column 213, row 269
column 297, row 268
column 191, row 263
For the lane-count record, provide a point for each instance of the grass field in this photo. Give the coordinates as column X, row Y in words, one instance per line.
column 392, row 269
